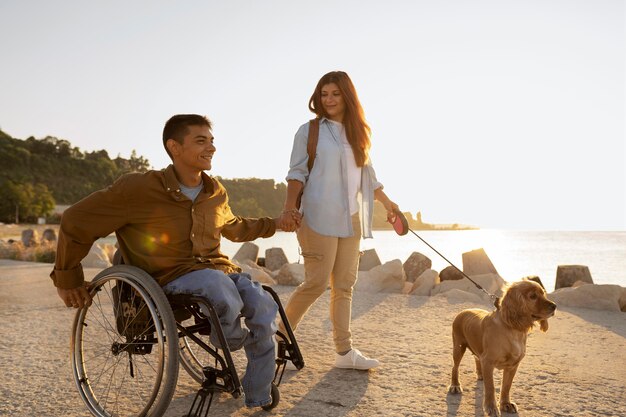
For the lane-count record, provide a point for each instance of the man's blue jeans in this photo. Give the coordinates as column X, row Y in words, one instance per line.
column 234, row 296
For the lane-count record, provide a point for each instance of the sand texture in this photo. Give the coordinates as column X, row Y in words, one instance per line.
column 578, row 368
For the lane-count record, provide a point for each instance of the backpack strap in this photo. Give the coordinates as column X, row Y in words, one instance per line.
column 311, row 146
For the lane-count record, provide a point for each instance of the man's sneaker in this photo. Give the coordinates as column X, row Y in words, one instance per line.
column 355, row 360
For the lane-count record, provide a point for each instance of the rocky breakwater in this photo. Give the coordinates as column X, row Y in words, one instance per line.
column 415, row 277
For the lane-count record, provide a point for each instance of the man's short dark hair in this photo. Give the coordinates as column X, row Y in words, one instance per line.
column 178, row 126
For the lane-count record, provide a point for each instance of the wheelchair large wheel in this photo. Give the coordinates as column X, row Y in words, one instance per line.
column 124, row 346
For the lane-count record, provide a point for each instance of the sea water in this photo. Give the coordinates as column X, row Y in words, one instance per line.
column 515, row 254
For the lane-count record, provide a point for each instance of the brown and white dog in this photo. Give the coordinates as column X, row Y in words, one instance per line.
column 498, row 339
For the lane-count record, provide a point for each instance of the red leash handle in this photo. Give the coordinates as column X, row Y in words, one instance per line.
column 399, row 223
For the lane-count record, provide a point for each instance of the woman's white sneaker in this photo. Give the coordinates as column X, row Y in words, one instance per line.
column 355, row 360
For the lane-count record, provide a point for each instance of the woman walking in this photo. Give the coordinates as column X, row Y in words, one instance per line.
column 336, row 208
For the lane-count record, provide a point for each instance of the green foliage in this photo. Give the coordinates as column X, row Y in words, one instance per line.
column 34, row 173
column 16, row 251
column 24, row 202
column 44, row 253
column 253, row 197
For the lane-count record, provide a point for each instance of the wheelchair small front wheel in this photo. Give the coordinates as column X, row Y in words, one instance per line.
column 124, row 347
column 275, row 393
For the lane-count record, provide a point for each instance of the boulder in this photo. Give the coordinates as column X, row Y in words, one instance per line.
column 424, row 284
column 257, row 266
column 30, row 238
column 477, row 262
column 110, row 250
column 388, row 277
column 96, row 258
column 291, row 274
column 415, row 265
column 567, row 275
column 49, row 236
column 450, row 273
column 257, row 273
column 275, row 258
column 248, row 250
column 622, row 300
column 492, row 283
column 596, row 297
column 406, row 288
column 368, row 260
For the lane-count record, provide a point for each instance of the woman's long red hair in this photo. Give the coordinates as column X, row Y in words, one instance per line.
column 357, row 130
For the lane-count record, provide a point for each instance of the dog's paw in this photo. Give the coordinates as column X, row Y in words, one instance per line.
column 491, row 410
column 455, row 389
column 508, row 408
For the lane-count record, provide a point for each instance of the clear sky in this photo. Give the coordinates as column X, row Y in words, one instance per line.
column 500, row 114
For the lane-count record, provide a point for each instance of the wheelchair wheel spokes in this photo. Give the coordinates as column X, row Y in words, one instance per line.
column 124, row 346
column 192, row 357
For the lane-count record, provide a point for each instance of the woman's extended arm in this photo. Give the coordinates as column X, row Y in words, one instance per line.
column 390, row 206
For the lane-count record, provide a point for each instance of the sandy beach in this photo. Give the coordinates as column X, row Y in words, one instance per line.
column 578, row 368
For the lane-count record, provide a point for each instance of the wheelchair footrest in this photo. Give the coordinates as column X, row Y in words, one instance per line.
column 211, row 384
column 289, row 352
column 286, row 352
column 204, row 397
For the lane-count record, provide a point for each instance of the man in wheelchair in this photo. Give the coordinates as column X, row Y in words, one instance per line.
column 169, row 223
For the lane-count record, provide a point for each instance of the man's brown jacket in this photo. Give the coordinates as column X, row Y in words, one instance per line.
column 158, row 228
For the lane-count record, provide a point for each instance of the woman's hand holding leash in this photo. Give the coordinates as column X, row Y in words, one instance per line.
column 390, row 206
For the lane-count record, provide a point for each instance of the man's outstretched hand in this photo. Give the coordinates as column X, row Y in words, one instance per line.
column 76, row 297
column 289, row 220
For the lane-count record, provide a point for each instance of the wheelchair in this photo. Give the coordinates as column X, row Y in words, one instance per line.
column 126, row 347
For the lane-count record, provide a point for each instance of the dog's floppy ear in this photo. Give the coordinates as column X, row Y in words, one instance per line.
column 543, row 325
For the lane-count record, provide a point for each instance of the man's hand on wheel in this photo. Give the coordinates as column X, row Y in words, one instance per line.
column 77, row 297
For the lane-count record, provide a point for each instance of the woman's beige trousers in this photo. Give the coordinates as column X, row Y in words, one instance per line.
column 327, row 260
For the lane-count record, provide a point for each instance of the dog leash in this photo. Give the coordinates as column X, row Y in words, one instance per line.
column 401, row 227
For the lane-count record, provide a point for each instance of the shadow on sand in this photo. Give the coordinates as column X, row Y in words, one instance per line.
column 339, row 391
column 600, row 318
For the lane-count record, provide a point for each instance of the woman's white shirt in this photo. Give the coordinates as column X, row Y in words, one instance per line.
column 326, row 197
column 353, row 171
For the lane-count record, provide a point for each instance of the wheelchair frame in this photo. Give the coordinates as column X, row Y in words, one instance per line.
column 140, row 322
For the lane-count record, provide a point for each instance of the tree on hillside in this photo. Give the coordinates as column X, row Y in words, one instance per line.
column 247, row 207
column 24, row 202
column 254, row 197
